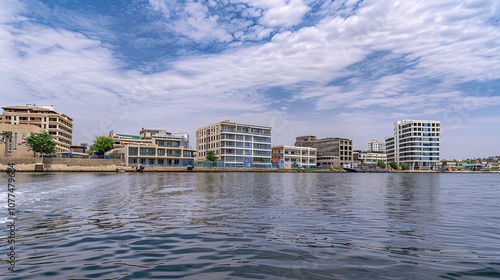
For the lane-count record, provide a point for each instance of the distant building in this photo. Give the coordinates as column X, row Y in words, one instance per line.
column 331, row 152
column 58, row 125
column 368, row 157
column 305, row 157
column 16, row 145
column 416, row 143
column 153, row 147
column 235, row 144
column 376, row 146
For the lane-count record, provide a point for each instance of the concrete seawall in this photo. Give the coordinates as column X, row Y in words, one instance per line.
column 110, row 165
column 64, row 164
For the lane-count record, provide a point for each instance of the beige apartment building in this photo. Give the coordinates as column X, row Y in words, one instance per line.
column 58, row 125
column 304, row 157
column 236, row 145
column 16, row 145
column 154, row 147
column 331, row 152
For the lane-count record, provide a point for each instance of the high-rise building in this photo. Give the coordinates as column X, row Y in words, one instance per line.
column 376, row 146
column 331, row 152
column 416, row 143
column 58, row 125
column 236, row 145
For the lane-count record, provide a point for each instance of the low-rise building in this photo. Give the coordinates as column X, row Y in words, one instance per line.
column 154, row 147
column 15, row 145
column 331, row 152
column 368, row 157
column 304, row 157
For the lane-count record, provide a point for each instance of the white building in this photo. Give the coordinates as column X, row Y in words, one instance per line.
column 416, row 143
column 236, row 145
column 154, row 147
column 376, row 146
column 369, row 158
column 304, row 157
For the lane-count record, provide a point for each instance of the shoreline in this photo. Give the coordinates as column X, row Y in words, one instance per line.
column 48, row 168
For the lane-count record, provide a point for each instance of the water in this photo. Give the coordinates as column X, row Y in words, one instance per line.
column 255, row 226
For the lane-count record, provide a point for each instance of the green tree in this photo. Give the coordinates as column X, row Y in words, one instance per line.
column 295, row 164
column 381, row 164
column 7, row 138
column 393, row 165
column 404, row 166
column 211, row 157
column 102, row 144
column 41, row 143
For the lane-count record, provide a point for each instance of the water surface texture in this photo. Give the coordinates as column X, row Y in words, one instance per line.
column 255, row 226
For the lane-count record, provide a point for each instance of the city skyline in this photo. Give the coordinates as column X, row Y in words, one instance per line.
column 326, row 68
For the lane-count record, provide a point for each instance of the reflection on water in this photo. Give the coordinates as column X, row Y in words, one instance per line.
column 256, row 225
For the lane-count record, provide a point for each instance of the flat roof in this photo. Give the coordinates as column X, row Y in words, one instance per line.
column 129, row 136
column 34, row 109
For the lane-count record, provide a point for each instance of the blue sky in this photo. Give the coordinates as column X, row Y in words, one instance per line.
column 305, row 67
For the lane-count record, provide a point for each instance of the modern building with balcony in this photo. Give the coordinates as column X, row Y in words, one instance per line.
column 368, row 157
column 304, row 157
column 236, row 145
column 154, row 147
column 58, row 125
column 416, row 143
column 331, row 152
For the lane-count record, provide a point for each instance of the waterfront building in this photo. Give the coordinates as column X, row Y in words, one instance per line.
column 58, row 125
column 236, row 145
column 376, row 146
column 154, row 147
column 369, row 157
column 15, row 146
column 416, row 143
column 331, row 152
column 304, row 157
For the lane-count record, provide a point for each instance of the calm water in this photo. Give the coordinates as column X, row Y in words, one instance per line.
column 255, row 226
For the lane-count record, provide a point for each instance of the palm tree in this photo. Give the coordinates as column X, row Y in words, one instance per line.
column 7, row 139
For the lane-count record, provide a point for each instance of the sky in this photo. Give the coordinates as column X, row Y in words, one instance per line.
column 304, row 67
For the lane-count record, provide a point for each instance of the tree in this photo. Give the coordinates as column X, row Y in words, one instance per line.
column 7, row 138
column 295, row 164
column 41, row 143
column 393, row 165
column 102, row 144
column 381, row 164
column 211, row 157
column 404, row 166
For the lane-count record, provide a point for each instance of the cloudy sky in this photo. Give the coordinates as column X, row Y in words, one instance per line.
column 331, row 68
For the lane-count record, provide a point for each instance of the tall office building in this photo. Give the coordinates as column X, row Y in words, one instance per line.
column 235, row 144
column 331, row 152
column 416, row 143
column 58, row 125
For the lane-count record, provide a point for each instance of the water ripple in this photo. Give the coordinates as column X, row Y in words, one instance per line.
column 257, row 226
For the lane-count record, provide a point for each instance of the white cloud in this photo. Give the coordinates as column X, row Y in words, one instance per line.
column 284, row 14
